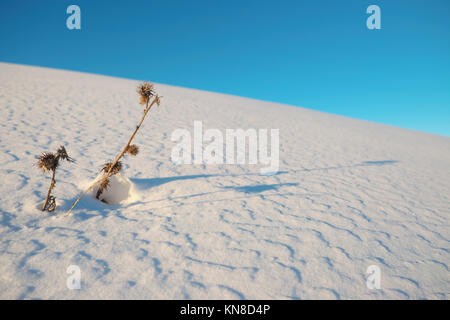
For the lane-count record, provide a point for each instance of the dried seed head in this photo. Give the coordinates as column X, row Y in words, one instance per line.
column 115, row 170
column 47, row 161
column 103, row 186
column 158, row 100
column 132, row 150
column 62, row 153
column 145, row 91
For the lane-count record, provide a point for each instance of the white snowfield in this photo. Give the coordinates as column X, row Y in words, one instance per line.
column 349, row 194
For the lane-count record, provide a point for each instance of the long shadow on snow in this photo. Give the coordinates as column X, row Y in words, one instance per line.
column 154, row 182
column 104, row 210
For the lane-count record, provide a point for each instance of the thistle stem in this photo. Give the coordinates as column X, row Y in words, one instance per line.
column 52, row 184
column 147, row 109
column 108, row 173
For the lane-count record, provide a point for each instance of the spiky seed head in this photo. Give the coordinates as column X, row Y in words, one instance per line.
column 145, row 91
column 143, row 100
column 132, row 149
column 47, row 161
column 62, row 153
column 115, row 170
column 158, row 100
column 105, row 184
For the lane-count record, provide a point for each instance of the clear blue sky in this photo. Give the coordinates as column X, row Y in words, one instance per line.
column 315, row 54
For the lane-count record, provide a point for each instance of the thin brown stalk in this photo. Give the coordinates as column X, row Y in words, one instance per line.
column 47, row 162
column 108, row 173
column 52, row 184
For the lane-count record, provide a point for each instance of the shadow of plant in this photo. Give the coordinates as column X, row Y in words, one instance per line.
column 91, row 204
column 261, row 187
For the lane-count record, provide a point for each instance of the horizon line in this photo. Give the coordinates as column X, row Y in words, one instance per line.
column 228, row 94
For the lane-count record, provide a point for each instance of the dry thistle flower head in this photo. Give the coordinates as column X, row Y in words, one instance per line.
column 62, row 153
column 47, row 161
column 104, row 185
column 115, row 170
column 132, row 149
column 145, row 91
column 158, row 100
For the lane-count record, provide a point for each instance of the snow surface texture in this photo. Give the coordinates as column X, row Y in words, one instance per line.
column 349, row 194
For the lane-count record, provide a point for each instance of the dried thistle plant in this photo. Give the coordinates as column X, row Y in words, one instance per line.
column 146, row 93
column 132, row 150
column 49, row 162
column 106, row 168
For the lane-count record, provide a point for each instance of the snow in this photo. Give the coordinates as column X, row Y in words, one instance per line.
column 349, row 194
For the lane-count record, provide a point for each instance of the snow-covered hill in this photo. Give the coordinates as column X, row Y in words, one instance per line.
column 349, row 194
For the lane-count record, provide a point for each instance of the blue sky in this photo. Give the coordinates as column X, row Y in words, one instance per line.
column 315, row 54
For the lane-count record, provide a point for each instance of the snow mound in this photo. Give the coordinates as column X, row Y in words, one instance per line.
column 120, row 190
